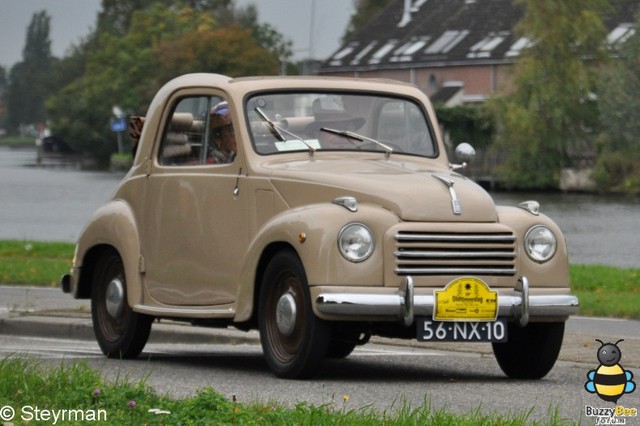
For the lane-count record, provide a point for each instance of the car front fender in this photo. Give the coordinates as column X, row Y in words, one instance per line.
column 553, row 273
column 312, row 232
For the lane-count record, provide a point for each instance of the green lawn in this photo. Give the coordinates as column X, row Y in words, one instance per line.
column 606, row 291
column 34, row 262
column 18, row 141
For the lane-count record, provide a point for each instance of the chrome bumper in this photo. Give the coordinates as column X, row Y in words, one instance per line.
column 405, row 304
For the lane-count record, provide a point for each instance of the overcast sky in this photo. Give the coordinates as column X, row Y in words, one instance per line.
column 73, row 19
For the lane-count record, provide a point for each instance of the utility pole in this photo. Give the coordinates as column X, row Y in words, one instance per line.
column 307, row 68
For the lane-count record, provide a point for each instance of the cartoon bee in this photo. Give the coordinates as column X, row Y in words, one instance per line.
column 609, row 381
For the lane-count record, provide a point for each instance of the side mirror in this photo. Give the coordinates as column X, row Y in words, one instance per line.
column 464, row 153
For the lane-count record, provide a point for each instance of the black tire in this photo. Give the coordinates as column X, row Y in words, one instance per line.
column 293, row 345
column 339, row 349
column 343, row 342
column 121, row 333
column 531, row 351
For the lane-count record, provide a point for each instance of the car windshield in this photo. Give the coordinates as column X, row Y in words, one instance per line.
column 310, row 121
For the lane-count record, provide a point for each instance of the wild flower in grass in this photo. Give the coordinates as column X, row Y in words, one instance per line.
column 132, row 404
column 97, row 392
column 345, row 398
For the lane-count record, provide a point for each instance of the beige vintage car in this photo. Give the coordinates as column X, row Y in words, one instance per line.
column 320, row 211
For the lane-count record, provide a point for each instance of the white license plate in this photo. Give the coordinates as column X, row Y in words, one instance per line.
column 461, row 331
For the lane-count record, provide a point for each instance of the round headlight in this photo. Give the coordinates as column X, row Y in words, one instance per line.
column 355, row 242
column 540, row 243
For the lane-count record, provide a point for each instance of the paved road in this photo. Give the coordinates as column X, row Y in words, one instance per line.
column 377, row 376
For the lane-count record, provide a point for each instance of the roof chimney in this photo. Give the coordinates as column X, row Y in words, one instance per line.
column 406, row 15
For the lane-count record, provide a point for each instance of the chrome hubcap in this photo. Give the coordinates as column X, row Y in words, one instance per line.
column 286, row 314
column 115, row 297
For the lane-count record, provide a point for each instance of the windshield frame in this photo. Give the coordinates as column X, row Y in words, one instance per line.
column 304, row 148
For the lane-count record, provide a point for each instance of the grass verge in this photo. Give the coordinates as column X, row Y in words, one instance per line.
column 82, row 396
column 18, row 141
column 604, row 291
column 34, row 262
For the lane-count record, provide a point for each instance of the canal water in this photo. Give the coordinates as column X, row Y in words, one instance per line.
column 53, row 204
column 598, row 229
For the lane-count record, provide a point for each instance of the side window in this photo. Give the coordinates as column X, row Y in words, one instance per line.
column 192, row 130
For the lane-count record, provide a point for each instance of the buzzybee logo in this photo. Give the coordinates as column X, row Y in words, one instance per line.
column 610, row 381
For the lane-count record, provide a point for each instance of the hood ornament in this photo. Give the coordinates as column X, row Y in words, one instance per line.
column 455, row 202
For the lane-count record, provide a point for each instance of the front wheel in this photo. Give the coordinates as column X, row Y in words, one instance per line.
column 531, row 351
column 120, row 332
column 294, row 340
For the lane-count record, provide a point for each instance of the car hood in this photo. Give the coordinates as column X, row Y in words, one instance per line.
column 409, row 188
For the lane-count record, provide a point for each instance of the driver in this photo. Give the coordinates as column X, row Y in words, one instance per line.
column 223, row 139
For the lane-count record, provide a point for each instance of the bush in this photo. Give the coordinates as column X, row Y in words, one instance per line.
column 121, row 161
column 618, row 172
column 466, row 124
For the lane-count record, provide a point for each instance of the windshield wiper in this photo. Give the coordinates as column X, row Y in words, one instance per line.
column 279, row 131
column 358, row 137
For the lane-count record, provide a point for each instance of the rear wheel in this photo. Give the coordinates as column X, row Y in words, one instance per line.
column 294, row 340
column 120, row 332
column 531, row 351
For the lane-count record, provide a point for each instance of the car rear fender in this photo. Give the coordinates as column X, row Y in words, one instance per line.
column 112, row 225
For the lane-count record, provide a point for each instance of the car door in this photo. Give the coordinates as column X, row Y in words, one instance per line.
column 196, row 224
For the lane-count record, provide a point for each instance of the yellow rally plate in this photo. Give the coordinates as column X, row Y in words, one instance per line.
column 466, row 299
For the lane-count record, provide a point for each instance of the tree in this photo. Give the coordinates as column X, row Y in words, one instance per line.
column 265, row 34
column 127, row 70
column 29, row 86
column 116, row 16
column 618, row 164
column 551, row 118
column 619, row 98
column 230, row 51
column 365, row 11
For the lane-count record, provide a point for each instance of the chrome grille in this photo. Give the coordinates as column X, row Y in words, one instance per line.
column 447, row 253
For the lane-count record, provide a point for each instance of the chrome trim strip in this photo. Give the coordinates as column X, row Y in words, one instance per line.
column 188, row 312
column 531, row 206
column 349, row 203
column 455, row 201
column 459, row 254
column 426, row 236
column 455, row 271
